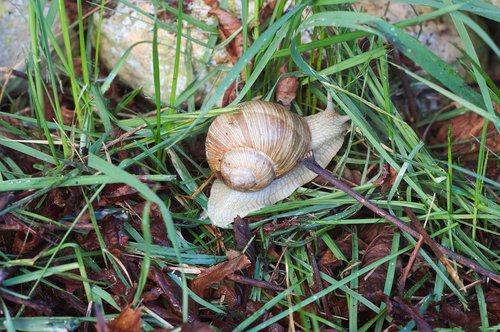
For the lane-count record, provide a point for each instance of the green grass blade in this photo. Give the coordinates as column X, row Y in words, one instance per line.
column 77, row 180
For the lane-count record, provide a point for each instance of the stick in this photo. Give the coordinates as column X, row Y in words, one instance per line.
column 318, row 283
column 255, row 283
column 434, row 248
column 311, row 164
column 407, row 269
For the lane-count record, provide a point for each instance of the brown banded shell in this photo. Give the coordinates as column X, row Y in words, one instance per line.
column 262, row 141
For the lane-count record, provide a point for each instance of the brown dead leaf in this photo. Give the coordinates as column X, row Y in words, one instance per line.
column 118, row 193
column 383, row 176
column 70, row 285
column 87, row 241
column 25, row 241
column 63, row 300
column 172, row 293
column 118, row 288
column 329, row 261
column 68, row 300
column 266, row 11
column 74, row 11
column 129, row 320
column 286, row 91
column 456, row 315
column 467, row 127
column 5, row 199
column 215, row 274
column 113, row 193
column 370, row 233
column 231, row 93
column 212, row 3
column 387, row 178
column 272, row 253
column 170, row 17
column 24, row 161
column 151, row 295
column 39, row 307
column 379, row 241
column 242, row 236
column 189, row 327
column 61, row 202
column 352, row 177
column 228, row 25
column 228, row 294
column 493, row 301
column 401, row 312
column 160, row 309
column 9, row 222
column 156, row 224
column 280, row 224
column 451, row 312
column 253, row 306
column 67, row 107
column 112, row 231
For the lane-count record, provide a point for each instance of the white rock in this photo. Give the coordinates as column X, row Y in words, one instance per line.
column 123, row 26
column 15, row 40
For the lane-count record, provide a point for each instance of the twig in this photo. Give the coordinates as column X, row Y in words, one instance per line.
column 17, row 73
column 407, row 269
column 124, row 136
column 317, row 281
column 311, row 164
column 434, row 248
column 413, row 312
column 255, row 283
column 199, row 189
column 275, row 271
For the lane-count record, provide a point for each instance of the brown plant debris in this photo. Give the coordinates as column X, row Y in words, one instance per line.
column 172, row 293
column 286, row 91
column 129, row 320
column 215, row 274
column 379, row 240
column 228, row 25
column 466, row 135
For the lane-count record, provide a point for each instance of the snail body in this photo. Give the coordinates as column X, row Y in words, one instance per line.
column 256, row 154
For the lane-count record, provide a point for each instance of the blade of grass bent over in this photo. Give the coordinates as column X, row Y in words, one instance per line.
column 408, row 45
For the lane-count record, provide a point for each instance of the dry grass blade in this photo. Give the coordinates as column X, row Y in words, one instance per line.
column 453, row 273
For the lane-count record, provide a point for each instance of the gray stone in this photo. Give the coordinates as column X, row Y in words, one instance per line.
column 15, row 38
column 14, row 35
column 124, row 26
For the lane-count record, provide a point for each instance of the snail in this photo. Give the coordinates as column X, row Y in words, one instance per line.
column 256, row 155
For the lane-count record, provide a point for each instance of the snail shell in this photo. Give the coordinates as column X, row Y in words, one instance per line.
column 256, row 153
column 245, row 148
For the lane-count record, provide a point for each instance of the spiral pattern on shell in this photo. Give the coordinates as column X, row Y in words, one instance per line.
column 261, row 141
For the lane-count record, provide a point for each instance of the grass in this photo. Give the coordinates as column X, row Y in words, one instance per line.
column 458, row 202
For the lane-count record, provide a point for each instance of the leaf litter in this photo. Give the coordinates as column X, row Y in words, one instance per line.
column 230, row 283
